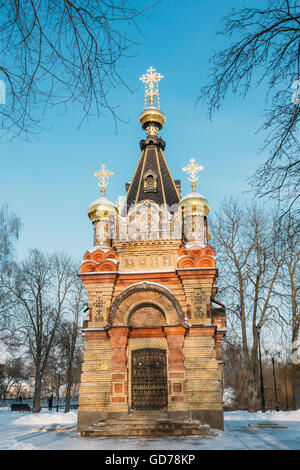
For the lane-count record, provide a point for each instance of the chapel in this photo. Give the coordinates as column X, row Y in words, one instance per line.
column 153, row 329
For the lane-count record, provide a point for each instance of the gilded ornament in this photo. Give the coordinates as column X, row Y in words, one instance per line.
column 151, row 79
column 192, row 169
column 103, row 175
column 152, row 130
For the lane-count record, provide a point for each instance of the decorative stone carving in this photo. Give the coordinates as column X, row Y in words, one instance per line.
column 195, row 256
column 99, row 307
column 147, row 255
column 99, row 260
column 200, row 306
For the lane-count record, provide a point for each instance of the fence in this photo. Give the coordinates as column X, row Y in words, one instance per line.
column 43, row 403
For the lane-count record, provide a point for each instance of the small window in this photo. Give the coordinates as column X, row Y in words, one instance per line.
column 150, row 182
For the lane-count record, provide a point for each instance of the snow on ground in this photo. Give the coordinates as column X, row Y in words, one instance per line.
column 43, row 418
column 27, row 431
column 268, row 416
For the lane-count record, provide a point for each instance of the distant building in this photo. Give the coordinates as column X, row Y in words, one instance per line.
column 22, row 388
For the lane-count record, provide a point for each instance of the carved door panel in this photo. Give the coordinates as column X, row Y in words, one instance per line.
column 149, row 379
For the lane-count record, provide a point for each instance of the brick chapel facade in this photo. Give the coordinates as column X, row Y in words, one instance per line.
column 153, row 361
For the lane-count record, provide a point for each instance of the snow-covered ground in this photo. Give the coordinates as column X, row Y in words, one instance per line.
column 56, row 430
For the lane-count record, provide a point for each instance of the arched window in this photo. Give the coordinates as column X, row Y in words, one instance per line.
column 150, row 182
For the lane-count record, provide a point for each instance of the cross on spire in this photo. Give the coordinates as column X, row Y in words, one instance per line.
column 151, row 79
column 103, row 175
column 192, row 169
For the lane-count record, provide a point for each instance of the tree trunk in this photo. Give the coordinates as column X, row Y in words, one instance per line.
column 37, row 392
column 69, row 388
column 253, row 389
column 296, row 386
column 252, row 394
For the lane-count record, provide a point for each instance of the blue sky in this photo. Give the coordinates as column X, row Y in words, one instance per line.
column 49, row 181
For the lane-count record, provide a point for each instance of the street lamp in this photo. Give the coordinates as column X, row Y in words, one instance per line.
column 58, row 372
column 262, row 390
column 277, row 352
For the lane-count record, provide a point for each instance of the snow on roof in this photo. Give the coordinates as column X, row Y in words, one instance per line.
column 150, row 283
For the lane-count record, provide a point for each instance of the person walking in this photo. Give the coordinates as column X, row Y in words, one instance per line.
column 50, row 401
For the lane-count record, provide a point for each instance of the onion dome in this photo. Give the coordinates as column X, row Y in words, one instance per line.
column 195, row 204
column 152, row 120
column 102, row 209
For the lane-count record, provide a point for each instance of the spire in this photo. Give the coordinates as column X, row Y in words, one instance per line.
column 152, row 179
column 152, row 119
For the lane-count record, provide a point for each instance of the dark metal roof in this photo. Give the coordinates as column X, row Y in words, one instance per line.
column 163, row 189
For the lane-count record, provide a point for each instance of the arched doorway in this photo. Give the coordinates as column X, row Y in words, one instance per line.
column 149, row 383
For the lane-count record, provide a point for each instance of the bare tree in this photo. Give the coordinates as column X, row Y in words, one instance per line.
column 9, row 232
column 235, row 372
column 265, row 48
column 54, row 52
column 69, row 334
column 40, row 288
column 246, row 241
column 289, row 308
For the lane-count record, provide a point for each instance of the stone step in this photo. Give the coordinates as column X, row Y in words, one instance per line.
column 139, row 427
column 173, row 425
column 161, row 412
column 143, row 433
column 149, row 422
column 145, row 416
column 150, row 432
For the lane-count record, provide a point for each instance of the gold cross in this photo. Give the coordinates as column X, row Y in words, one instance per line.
column 151, row 79
column 103, row 176
column 192, row 169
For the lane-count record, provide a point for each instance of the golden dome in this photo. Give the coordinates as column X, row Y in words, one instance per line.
column 101, row 209
column 194, row 204
column 152, row 115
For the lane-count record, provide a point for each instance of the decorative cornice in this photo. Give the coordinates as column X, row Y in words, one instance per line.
column 153, row 140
